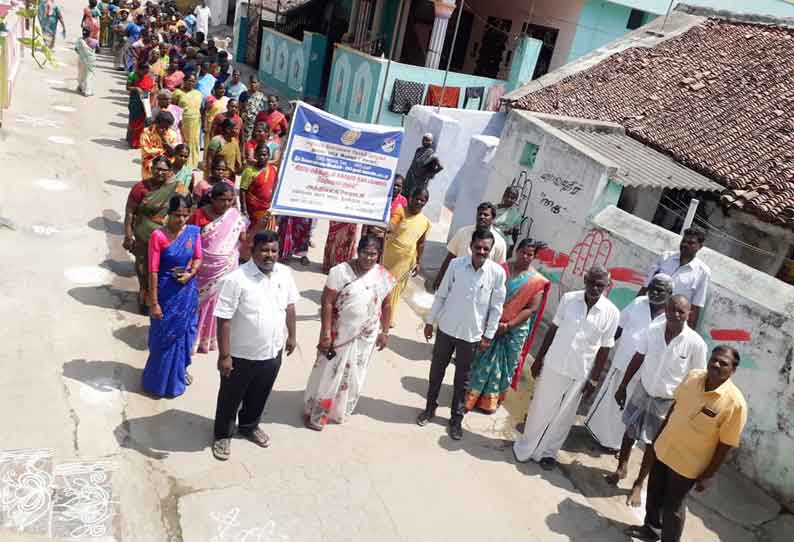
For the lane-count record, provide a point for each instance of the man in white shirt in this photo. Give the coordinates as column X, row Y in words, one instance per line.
column 256, row 320
column 467, row 308
column 605, row 419
column 665, row 355
column 691, row 276
column 460, row 244
column 571, row 358
column 203, row 14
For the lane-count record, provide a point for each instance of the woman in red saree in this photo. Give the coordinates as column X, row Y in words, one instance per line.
column 340, row 244
column 257, row 193
column 139, row 85
column 500, row 366
column 91, row 19
column 275, row 119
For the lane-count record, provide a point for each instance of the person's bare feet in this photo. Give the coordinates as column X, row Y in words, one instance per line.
column 615, row 477
column 635, row 497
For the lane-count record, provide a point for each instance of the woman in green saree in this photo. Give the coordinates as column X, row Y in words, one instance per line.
column 147, row 209
column 494, row 370
column 180, row 165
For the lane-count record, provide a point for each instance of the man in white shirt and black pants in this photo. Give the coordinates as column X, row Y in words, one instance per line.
column 665, row 355
column 256, row 320
column 467, row 309
column 571, row 358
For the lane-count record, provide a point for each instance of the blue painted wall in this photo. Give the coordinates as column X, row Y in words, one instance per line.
column 600, row 22
column 356, row 83
column 290, row 67
column 353, row 84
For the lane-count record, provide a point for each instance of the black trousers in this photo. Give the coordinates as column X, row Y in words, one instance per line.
column 249, row 385
column 442, row 354
column 665, row 508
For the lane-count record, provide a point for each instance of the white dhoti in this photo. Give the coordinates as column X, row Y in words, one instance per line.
column 605, row 419
column 551, row 415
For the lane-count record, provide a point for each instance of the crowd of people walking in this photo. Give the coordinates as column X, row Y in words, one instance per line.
column 214, row 275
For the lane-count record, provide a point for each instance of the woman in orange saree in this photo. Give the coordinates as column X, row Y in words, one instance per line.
column 494, row 370
column 257, row 193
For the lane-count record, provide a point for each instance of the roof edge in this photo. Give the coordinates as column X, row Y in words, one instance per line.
column 647, row 36
column 735, row 17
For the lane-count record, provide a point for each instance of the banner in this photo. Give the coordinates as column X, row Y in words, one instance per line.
column 337, row 169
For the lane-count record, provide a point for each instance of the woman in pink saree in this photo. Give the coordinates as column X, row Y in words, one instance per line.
column 222, row 230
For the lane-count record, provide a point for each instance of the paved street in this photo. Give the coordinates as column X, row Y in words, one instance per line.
column 75, row 347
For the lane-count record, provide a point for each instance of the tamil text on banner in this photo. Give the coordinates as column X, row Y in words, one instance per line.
column 336, row 169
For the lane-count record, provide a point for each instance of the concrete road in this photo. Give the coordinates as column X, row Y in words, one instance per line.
column 74, row 349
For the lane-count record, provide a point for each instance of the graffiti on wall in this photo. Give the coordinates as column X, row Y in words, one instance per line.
column 566, row 271
column 524, row 185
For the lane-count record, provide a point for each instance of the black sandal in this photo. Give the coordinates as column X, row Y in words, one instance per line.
column 642, row 532
column 222, row 449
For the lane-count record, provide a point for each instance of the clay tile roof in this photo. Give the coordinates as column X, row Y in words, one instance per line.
column 719, row 99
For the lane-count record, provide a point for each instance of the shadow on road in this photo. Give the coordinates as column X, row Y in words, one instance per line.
column 419, row 387
column 121, row 184
column 386, row 411
column 579, row 523
column 121, row 268
column 122, row 125
column 410, row 349
column 284, row 407
column 106, row 297
column 66, row 90
column 112, row 143
column 479, row 446
column 107, row 225
column 157, row 436
column 105, row 376
column 134, row 336
column 312, row 295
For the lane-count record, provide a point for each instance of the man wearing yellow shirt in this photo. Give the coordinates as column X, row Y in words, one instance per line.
column 704, row 423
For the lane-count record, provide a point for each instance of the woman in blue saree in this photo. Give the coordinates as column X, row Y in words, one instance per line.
column 500, row 366
column 174, row 260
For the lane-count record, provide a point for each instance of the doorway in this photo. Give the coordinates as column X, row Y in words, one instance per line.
column 418, row 28
column 492, row 48
column 461, row 44
column 548, row 37
column 231, row 11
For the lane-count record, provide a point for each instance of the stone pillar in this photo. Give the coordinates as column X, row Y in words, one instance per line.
column 444, row 9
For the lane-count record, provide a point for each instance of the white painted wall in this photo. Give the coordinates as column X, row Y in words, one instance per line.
column 566, row 182
column 218, row 9
column 740, row 298
column 452, row 130
column 468, row 187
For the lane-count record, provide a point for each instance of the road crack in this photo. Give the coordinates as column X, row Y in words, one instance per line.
column 73, row 416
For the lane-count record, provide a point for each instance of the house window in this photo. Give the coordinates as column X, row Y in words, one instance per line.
column 636, row 19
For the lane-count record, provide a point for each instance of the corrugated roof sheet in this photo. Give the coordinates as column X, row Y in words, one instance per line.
column 718, row 98
column 639, row 165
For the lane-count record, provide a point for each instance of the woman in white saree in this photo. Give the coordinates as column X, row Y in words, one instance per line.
column 86, row 49
column 355, row 315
